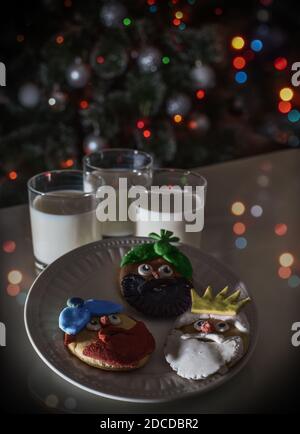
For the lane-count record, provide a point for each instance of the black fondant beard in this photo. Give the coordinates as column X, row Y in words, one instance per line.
column 157, row 297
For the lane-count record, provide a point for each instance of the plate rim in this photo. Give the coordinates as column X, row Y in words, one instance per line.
column 139, row 240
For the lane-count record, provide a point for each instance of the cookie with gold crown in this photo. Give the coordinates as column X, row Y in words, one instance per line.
column 156, row 278
column 211, row 338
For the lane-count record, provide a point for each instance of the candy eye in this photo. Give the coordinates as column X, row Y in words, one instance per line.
column 114, row 319
column 145, row 270
column 199, row 324
column 222, row 326
column 165, row 271
column 94, row 325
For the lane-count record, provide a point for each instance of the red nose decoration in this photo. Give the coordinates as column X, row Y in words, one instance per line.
column 104, row 321
column 206, row 327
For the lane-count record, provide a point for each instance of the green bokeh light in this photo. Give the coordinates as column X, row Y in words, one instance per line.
column 165, row 60
column 127, row 21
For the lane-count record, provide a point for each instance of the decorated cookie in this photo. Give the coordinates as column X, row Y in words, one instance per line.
column 155, row 278
column 99, row 334
column 209, row 339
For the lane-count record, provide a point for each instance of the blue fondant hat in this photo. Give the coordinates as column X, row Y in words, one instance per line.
column 78, row 314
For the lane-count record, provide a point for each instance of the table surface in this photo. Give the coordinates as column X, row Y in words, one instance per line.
column 269, row 381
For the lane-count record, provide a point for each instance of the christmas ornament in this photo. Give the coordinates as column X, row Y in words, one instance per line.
column 178, row 104
column 149, row 59
column 77, row 74
column 57, row 99
column 108, row 60
column 112, row 14
column 29, row 95
column 203, row 76
column 93, row 143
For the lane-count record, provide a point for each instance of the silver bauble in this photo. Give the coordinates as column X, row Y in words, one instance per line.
column 149, row 59
column 112, row 13
column 77, row 75
column 203, row 76
column 29, row 95
column 178, row 104
column 93, row 143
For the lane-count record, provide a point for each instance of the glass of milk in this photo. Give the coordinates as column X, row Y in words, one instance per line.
column 175, row 202
column 111, row 165
column 62, row 214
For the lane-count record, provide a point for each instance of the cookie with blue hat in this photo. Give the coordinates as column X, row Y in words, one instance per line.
column 100, row 334
column 156, row 278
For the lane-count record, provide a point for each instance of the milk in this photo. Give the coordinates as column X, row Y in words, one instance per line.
column 62, row 221
column 153, row 220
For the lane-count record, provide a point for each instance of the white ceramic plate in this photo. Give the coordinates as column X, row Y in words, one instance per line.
column 92, row 272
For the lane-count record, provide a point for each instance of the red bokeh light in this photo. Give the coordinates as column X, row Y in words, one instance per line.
column 239, row 62
column 284, row 106
column 100, row 60
column 147, row 134
column 84, row 104
column 280, row 63
column 200, row 94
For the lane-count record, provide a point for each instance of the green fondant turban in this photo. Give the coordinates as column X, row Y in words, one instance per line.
column 160, row 248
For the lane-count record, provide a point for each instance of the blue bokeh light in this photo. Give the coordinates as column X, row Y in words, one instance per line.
column 256, row 45
column 241, row 77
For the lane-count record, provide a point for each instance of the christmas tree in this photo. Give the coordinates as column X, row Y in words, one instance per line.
column 193, row 82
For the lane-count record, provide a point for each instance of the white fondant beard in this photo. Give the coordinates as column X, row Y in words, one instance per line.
column 196, row 359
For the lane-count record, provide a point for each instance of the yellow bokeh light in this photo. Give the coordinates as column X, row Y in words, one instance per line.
column 177, row 119
column 238, row 43
column 286, row 259
column 238, row 208
column 179, row 15
column 286, row 94
column 15, row 277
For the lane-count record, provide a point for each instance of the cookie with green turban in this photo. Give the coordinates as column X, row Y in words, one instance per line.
column 156, row 278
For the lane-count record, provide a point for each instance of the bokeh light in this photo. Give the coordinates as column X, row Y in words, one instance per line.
column 256, row 211
column 241, row 77
column 59, row 39
column 13, row 175
column 51, row 401
column 70, row 403
column 239, row 228
column 286, row 259
column 200, row 94
column 84, row 104
column 177, row 119
column 241, row 243
column 147, row 134
column 21, row 298
column 294, row 281
column 294, row 116
column 238, row 208
column 9, row 246
column 67, row 163
column 286, row 94
column 281, row 229
column 238, row 43
column 284, row 107
column 263, row 181
column 179, row 15
column 280, row 63
column 257, row 45
column 15, row 277
column 127, row 21
column 13, row 290
column 165, row 60
column 140, row 124
column 239, row 62
column 284, row 272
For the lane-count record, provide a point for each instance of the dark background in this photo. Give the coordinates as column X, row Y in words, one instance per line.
column 48, row 123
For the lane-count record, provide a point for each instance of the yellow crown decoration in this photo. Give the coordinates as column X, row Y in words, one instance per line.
column 221, row 304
